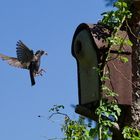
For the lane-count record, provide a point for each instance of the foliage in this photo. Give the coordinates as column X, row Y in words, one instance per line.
column 116, row 18
column 76, row 130
column 73, row 130
column 131, row 134
column 109, row 112
column 56, row 108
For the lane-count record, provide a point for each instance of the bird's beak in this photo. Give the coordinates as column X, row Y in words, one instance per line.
column 45, row 53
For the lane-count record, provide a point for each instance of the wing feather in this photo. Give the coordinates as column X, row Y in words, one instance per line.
column 24, row 54
column 13, row 61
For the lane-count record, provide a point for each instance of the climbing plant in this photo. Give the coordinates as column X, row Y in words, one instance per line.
column 109, row 111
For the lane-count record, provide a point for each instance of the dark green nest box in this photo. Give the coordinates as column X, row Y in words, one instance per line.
column 89, row 47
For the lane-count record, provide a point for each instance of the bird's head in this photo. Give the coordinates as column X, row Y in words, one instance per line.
column 40, row 53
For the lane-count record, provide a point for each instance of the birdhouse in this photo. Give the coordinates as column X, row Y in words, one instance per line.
column 89, row 48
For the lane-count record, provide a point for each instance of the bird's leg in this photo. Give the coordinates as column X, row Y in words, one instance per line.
column 40, row 72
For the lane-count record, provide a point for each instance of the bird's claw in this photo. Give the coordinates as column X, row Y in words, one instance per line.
column 40, row 72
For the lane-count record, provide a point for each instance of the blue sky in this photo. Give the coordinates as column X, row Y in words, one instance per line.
column 47, row 25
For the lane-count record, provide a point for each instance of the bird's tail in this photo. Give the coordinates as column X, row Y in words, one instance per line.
column 32, row 75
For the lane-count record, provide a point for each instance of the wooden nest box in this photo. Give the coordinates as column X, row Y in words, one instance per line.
column 89, row 48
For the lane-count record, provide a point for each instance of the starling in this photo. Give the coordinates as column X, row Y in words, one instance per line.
column 26, row 59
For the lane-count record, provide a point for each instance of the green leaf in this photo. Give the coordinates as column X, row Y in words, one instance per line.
column 93, row 132
column 123, row 59
column 128, row 42
column 130, row 133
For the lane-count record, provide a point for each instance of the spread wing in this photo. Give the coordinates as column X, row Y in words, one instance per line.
column 24, row 54
column 13, row 61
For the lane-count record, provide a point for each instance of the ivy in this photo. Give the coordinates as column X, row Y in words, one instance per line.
column 56, row 108
column 72, row 129
column 116, row 18
column 108, row 111
column 131, row 134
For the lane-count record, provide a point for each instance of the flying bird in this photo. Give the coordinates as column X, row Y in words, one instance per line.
column 26, row 59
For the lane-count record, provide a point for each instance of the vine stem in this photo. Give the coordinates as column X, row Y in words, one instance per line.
column 114, row 33
column 110, row 44
column 100, row 132
column 100, row 126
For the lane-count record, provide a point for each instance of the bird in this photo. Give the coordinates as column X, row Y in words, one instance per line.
column 26, row 59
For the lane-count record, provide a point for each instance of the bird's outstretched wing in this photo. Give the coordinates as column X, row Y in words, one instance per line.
column 13, row 61
column 24, row 54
